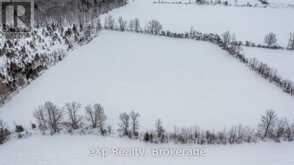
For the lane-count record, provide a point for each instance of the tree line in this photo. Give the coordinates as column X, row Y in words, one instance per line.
column 72, row 11
column 207, row 2
column 270, row 39
column 236, row 3
column 72, row 118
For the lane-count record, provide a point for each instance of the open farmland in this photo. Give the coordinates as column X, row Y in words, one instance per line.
column 181, row 81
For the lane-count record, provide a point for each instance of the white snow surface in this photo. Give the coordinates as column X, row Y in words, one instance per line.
column 281, row 60
column 250, row 24
column 77, row 150
column 183, row 82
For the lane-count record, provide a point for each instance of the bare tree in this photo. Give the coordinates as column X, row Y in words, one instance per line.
column 75, row 118
column 137, row 26
column 281, row 128
column 249, row 134
column 159, row 128
column 49, row 116
column 122, row 24
column 109, row 22
column 154, row 27
column 54, row 116
column 124, row 124
column 96, row 116
column 291, row 42
column 4, row 132
column 134, row 123
column 268, row 122
column 134, row 25
column 131, row 25
column 40, row 116
column 100, row 117
column 289, row 132
column 90, row 114
column 232, row 135
column 270, row 39
column 227, row 38
column 98, row 25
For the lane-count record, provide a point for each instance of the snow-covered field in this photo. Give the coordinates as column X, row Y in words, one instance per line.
column 184, row 82
column 77, row 150
column 247, row 23
column 282, row 60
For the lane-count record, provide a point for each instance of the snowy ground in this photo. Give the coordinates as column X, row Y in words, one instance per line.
column 77, row 150
column 282, row 60
column 184, row 82
column 247, row 23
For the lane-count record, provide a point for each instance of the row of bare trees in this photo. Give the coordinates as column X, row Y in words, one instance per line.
column 270, row 127
column 271, row 42
column 229, row 44
column 53, row 118
column 70, row 118
column 212, row 2
column 272, row 75
column 153, row 26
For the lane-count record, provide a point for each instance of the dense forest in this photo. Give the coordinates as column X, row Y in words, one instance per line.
column 72, row 11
